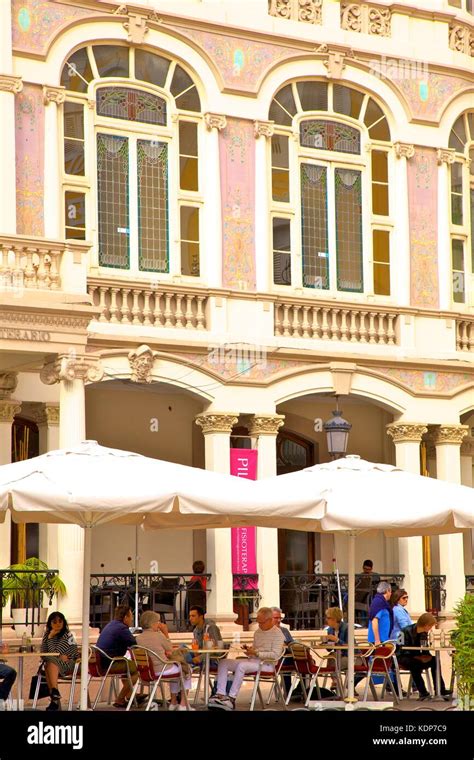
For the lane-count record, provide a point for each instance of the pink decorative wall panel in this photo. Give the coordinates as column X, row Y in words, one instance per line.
column 36, row 22
column 428, row 98
column 237, row 161
column 423, row 211
column 29, row 127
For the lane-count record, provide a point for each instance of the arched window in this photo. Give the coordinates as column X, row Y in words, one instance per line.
column 131, row 137
column 330, row 189
column 461, row 140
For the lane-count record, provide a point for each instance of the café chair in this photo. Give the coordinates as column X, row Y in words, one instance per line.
column 147, row 676
column 260, row 675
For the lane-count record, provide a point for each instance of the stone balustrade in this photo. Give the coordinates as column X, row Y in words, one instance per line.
column 29, row 263
column 354, row 324
column 133, row 303
column 465, row 334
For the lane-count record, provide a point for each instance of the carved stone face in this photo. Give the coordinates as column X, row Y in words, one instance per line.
column 141, row 363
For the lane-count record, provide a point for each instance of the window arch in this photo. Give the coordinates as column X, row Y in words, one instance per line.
column 137, row 145
column 330, row 189
column 461, row 140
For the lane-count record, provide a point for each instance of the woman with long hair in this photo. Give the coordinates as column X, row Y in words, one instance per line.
column 58, row 638
column 401, row 618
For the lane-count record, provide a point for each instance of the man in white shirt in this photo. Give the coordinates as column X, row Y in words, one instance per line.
column 268, row 644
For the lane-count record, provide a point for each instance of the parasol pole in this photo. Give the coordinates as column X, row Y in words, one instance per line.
column 84, row 672
column 136, row 576
column 351, row 619
column 335, row 570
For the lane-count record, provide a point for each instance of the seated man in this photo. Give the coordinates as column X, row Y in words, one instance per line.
column 115, row 639
column 416, row 635
column 7, row 679
column 268, row 644
column 203, row 626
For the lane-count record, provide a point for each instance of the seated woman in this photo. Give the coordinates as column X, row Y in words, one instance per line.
column 58, row 638
column 153, row 638
column 336, row 627
column 401, row 618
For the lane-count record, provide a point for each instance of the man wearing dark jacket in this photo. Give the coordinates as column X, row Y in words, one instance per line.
column 416, row 635
column 115, row 640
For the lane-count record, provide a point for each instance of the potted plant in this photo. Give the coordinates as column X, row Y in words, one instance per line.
column 25, row 588
column 241, row 608
column 463, row 640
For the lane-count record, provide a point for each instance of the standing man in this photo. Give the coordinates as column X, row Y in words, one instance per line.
column 381, row 615
column 7, row 676
column 268, row 644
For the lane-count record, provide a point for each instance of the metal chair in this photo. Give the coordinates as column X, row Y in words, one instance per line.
column 379, row 658
column 327, row 666
column 99, row 666
column 260, row 675
column 70, row 680
column 147, row 676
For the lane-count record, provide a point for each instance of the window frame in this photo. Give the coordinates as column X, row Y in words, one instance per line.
column 464, row 231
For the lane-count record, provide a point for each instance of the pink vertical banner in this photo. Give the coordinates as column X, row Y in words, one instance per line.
column 243, row 464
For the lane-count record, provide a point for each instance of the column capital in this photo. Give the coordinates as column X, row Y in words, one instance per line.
column 9, row 83
column 467, row 447
column 215, row 121
column 216, row 422
column 263, row 128
column 70, row 367
column 445, row 156
column 8, row 409
column 8, row 383
column 406, row 432
column 48, row 415
column 404, row 150
column 54, row 95
column 264, row 424
column 449, row 434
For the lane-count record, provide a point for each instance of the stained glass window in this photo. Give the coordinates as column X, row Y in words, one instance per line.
column 112, row 195
column 132, row 105
column 281, row 251
column 348, row 194
column 152, row 175
column 314, row 226
column 329, row 135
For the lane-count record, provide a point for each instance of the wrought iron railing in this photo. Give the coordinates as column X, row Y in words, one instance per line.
column 469, row 584
column 28, row 590
column 170, row 594
column 435, row 593
column 304, row 597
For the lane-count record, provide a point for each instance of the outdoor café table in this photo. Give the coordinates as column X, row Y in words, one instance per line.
column 21, row 658
column 437, row 651
column 207, row 653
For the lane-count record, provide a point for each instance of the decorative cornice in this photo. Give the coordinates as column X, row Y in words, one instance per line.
column 141, row 364
column 297, row 10
column 445, row 156
column 9, row 83
column 366, row 19
column 263, row 128
column 404, row 432
column 461, row 39
column 49, row 320
column 54, row 95
column 449, row 434
column 69, row 367
column 215, row 121
column 8, row 383
column 8, row 409
column 217, row 422
column 467, row 447
column 264, row 424
column 404, row 150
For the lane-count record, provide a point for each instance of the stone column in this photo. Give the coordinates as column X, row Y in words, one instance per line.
column 53, row 219
column 8, row 409
column 265, row 427
column 216, row 428
column 407, row 438
column 47, row 420
column 212, row 212
column 71, row 372
column 448, row 439
column 263, row 133
column 401, row 273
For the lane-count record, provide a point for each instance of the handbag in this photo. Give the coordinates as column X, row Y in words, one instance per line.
column 43, row 689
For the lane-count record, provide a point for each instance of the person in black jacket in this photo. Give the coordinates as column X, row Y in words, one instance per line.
column 115, row 639
column 416, row 635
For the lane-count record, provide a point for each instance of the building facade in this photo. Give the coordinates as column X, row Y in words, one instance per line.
column 215, row 217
